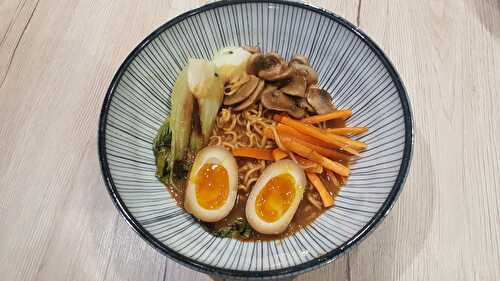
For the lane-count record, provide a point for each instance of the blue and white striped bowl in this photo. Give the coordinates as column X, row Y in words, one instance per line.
column 350, row 66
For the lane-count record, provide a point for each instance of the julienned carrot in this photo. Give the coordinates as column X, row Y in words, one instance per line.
column 344, row 114
column 358, row 145
column 257, row 153
column 320, row 187
column 311, row 167
column 318, row 133
column 312, row 155
column 339, row 141
column 347, row 131
column 279, row 154
column 330, row 153
column 284, row 130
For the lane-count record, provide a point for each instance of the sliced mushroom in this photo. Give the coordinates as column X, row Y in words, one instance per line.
column 300, row 59
column 320, row 100
column 244, row 92
column 278, row 83
column 251, row 49
column 255, row 63
column 273, row 59
column 296, row 86
column 275, row 73
column 270, row 67
column 302, row 103
column 277, row 100
column 253, row 98
column 306, row 70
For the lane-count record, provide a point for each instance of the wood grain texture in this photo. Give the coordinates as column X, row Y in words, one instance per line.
column 58, row 223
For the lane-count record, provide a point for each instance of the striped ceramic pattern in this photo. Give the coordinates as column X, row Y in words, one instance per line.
column 348, row 68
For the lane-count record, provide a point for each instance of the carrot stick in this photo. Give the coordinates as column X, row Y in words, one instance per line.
column 324, row 151
column 330, row 153
column 282, row 128
column 257, row 153
column 312, row 155
column 312, row 167
column 344, row 114
column 339, row 141
column 279, row 154
column 359, row 145
column 320, row 187
column 347, row 131
column 303, row 139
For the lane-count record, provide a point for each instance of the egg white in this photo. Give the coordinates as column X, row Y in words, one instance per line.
column 212, row 155
column 273, row 170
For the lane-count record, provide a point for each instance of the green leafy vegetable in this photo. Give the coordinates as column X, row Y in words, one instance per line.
column 238, row 229
column 161, row 150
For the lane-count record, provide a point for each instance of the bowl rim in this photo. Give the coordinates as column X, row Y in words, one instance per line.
column 286, row 271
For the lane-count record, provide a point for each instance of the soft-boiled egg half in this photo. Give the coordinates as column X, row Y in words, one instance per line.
column 275, row 197
column 213, row 184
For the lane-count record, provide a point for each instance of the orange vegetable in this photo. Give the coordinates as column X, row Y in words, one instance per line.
column 320, row 187
column 314, row 144
column 284, row 129
column 347, row 131
column 330, row 153
column 257, row 153
column 359, row 145
column 278, row 154
column 339, row 141
column 312, row 155
column 344, row 114
column 311, row 166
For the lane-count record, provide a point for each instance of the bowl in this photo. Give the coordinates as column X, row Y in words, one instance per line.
column 350, row 66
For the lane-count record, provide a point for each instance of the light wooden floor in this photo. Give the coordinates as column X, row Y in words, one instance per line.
column 57, row 221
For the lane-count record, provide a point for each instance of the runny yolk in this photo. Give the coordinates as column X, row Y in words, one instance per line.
column 275, row 198
column 212, row 186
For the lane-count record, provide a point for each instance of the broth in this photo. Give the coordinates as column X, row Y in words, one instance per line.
column 305, row 214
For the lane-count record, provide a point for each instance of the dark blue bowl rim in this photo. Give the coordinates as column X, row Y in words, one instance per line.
column 288, row 271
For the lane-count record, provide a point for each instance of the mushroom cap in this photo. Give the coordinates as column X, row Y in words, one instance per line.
column 270, row 66
column 273, row 58
column 277, row 100
column 300, row 59
column 302, row 103
column 244, row 92
column 252, row 98
column 251, row 49
column 278, row 72
column 255, row 63
column 320, row 100
column 305, row 70
column 296, row 86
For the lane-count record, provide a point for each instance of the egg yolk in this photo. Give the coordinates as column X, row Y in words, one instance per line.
column 275, row 198
column 212, row 186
